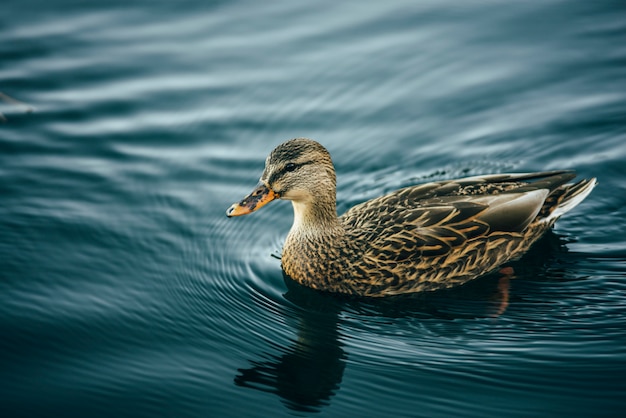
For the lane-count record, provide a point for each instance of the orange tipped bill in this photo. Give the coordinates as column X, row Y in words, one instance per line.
column 259, row 197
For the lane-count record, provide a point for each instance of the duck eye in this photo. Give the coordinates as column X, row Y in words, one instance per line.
column 290, row 167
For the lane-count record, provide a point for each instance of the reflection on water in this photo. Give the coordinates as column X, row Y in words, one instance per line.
column 308, row 373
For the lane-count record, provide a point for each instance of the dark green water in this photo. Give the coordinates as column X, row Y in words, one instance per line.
column 125, row 291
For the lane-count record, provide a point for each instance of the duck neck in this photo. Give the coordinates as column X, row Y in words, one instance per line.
column 315, row 217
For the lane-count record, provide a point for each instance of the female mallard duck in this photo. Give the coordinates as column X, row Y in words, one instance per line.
column 425, row 237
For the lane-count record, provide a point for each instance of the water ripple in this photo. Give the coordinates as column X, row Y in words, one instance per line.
column 126, row 291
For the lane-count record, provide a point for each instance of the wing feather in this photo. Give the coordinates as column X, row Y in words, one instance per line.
column 432, row 219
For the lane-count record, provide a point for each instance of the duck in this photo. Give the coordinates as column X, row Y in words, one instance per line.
column 425, row 237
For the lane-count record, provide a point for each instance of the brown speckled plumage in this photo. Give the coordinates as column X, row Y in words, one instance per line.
column 426, row 237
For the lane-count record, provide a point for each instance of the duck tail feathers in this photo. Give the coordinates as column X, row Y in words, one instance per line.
column 566, row 198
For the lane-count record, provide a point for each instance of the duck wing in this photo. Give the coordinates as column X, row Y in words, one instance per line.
column 433, row 219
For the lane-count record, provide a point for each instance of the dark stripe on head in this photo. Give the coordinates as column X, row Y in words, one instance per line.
column 279, row 174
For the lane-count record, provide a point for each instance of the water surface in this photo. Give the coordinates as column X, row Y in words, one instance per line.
column 125, row 291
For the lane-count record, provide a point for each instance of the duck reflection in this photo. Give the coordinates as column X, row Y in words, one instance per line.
column 308, row 374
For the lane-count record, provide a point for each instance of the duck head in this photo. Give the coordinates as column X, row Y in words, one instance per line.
column 299, row 170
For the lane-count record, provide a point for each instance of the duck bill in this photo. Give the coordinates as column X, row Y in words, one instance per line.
column 259, row 197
